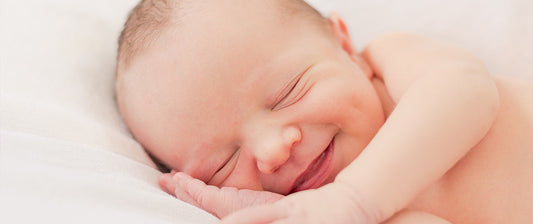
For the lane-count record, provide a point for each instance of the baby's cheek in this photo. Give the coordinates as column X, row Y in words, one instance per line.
column 334, row 103
column 244, row 175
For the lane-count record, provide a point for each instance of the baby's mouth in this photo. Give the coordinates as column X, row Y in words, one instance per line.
column 317, row 172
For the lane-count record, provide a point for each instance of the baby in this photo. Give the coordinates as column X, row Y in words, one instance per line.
column 271, row 116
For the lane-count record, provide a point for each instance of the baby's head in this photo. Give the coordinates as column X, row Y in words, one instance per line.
column 257, row 94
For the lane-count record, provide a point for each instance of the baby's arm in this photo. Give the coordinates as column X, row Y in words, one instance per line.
column 446, row 102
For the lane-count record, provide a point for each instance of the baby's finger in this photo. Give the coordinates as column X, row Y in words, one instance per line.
column 258, row 214
column 207, row 196
column 169, row 185
column 210, row 198
column 182, row 195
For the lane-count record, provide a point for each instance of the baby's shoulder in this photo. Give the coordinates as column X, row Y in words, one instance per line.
column 400, row 58
column 421, row 47
column 395, row 37
column 397, row 41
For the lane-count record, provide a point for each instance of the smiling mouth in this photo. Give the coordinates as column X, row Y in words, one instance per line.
column 317, row 172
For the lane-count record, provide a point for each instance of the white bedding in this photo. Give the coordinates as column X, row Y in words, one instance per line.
column 66, row 156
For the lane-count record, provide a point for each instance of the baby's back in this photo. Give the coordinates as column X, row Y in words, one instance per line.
column 493, row 183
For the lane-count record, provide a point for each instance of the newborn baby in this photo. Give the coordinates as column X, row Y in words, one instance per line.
column 268, row 114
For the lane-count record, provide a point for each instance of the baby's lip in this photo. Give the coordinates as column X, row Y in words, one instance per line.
column 316, row 172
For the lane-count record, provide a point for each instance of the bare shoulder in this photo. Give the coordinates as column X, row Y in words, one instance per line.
column 393, row 38
column 410, row 46
column 401, row 40
column 401, row 58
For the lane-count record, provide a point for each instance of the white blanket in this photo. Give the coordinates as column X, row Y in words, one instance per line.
column 66, row 156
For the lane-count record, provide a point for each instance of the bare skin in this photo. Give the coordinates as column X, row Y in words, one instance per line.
column 422, row 133
column 496, row 176
column 489, row 179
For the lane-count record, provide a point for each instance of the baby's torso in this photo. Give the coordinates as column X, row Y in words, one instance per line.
column 493, row 183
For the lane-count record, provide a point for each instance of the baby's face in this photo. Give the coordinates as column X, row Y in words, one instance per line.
column 238, row 97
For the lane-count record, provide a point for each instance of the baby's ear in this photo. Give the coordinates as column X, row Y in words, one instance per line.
column 340, row 31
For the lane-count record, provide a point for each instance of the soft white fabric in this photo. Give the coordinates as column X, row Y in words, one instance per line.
column 500, row 32
column 66, row 156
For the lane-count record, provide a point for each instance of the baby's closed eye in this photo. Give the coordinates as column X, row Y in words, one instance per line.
column 225, row 170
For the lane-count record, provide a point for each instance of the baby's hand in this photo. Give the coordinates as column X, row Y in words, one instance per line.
column 218, row 201
column 332, row 203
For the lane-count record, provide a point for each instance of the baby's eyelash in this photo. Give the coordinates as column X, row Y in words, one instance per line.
column 287, row 90
column 225, row 163
column 226, row 169
column 302, row 91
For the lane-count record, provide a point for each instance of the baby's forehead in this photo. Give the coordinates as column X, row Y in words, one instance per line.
column 252, row 14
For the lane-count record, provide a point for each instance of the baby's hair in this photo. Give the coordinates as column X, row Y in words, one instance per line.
column 144, row 24
column 150, row 17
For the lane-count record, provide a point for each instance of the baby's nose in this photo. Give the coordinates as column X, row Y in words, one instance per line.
column 267, row 168
column 276, row 152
